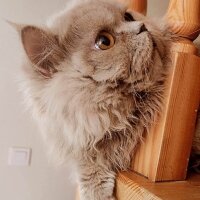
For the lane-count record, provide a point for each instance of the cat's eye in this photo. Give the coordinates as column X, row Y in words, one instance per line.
column 104, row 41
column 128, row 17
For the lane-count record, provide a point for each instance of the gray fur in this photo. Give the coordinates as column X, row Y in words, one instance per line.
column 94, row 106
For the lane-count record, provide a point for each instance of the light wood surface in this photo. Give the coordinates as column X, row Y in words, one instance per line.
column 185, row 46
column 131, row 186
column 127, row 189
column 184, row 17
column 165, row 153
column 136, row 5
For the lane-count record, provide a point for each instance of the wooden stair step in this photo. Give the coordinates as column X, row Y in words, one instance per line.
column 131, row 186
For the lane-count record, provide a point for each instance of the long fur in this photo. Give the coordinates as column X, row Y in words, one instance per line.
column 93, row 106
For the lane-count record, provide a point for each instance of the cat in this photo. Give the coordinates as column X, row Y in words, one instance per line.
column 94, row 79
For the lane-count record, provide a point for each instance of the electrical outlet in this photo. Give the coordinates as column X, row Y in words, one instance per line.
column 19, row 156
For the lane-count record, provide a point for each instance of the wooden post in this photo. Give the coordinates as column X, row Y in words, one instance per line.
column 184, row 17
column 165, row 153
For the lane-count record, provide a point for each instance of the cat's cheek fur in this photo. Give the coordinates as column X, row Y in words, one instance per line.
column 80, row 66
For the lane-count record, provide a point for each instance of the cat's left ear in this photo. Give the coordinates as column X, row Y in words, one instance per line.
column 43, row 50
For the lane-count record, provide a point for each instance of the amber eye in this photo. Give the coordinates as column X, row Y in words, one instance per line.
column 128, row 17
column 104, row 41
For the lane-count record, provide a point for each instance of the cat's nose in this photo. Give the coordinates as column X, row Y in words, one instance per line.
column 142, row 29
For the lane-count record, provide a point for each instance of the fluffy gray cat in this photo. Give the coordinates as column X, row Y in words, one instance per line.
column 94, row 78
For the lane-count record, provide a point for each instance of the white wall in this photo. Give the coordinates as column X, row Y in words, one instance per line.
column 41, row 180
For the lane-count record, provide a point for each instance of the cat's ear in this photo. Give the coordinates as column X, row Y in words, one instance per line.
column 42, row 49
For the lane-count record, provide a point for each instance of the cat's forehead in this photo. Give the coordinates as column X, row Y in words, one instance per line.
column 97, row 14
column 88, row 16
column 103, row 9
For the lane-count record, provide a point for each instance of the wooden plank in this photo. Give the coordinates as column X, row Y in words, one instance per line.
column 165, row 153
column 131, row 186
column 126, row 189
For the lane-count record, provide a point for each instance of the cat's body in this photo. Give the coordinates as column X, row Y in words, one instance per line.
column 94, row 79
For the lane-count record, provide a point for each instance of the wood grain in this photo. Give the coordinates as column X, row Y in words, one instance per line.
column 129, row 190
column 164, row 154
column 136, row 5
column 131, row 186
column 184, row 17
column 184, row 46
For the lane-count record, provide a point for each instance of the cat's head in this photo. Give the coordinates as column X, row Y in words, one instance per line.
column 98, row 40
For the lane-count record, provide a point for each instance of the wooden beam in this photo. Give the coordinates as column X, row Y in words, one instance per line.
column 127, row 189
column 131, row 186
column 165, row 153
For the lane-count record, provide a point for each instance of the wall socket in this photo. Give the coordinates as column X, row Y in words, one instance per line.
column 19, row 156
